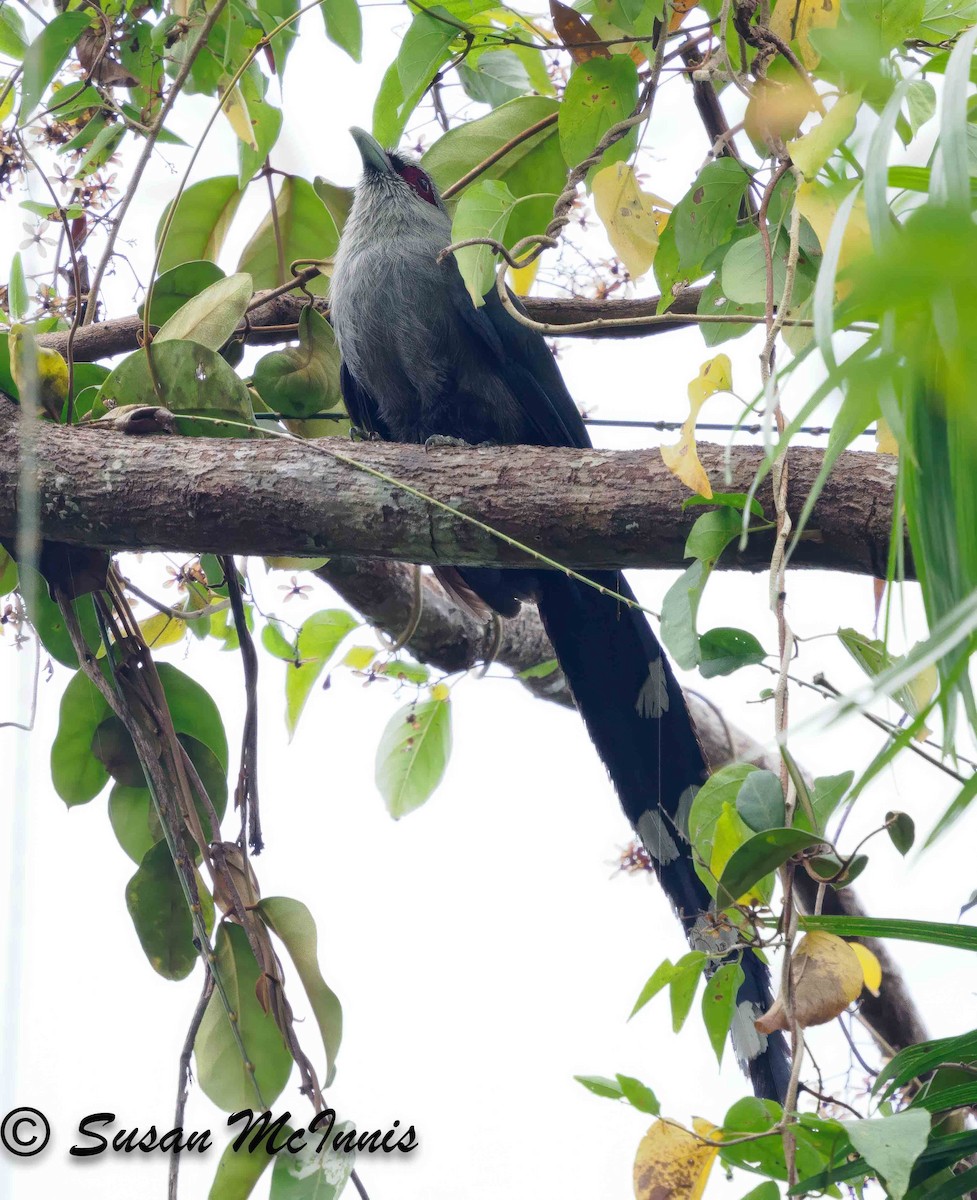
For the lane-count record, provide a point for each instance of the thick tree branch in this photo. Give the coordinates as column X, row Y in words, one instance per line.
column 582, row 508
column 265, row 322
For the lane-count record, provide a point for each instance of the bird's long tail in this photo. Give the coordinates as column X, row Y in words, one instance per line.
column 637, row 718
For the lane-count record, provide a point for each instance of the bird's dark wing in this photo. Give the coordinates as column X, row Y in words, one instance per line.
column 361, row 406
column 522, row 358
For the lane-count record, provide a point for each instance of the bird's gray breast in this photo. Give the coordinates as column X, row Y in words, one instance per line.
column 405, row 338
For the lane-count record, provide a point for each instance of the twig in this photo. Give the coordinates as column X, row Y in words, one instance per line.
column 155, row 130
column 183, row 1084
column 246, row 792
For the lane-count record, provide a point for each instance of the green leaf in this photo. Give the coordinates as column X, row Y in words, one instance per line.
column 891, row 1145
column 813, row 150
column 317, row 640
column 955, row 937
column 45, row 54
column 599, row 93
column 78, row 776
column 712, row 533
column 760, row 801
column 456, row 152
column 413, row 754
column 683, row 985
column 901, row 830
column 600, row 1085
column 719, row 1004
column 175, row 287
column 744, row 272
column 203, row 216
column 716, row 797
column 305, row 228
column 826, row 794
column 715, row 302
column 921, row 103
column 238, row 1171
column 496, row 77
column 221, row 1071
column 292, row 923
column 404, row 672
column 540, row 670
column 271, row 13
column 638, row 1095
column 158, row 907
column 338, row 200
column 18, row 297
column 13, row 35
column 131, row 809
column 275, row 642
column 758, row 857
column 483, row 211
column 944, row 19
column 659, row 979
column 266, row 125
column 423, row 50
column 45, row 616
column 310, row 1175
column 679, row 608
column 723, row 651
column 915, row 1062
column 706, row 216
column 193, row 381
column 103, row 146
column 210, row 317
column 303, row 379
column 344, row 26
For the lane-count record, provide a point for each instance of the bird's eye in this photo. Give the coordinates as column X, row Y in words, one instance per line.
column 425, row 185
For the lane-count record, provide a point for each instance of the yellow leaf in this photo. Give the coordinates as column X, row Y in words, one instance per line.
column 671, row 1163
column 779, row 103
column 813, row 150
column 359, row 657
column 236, row 110
column 885, row 439
column 440, row 691
column 630, row 216
column 162, row 630
column 522, row 278
column 38, row 371
column 7, row 104
column 871, row 968
column 715, row 375
column 923, row 685
column 285, row 562
column 793, row 20
column 827, row 976
column 682, row 460
column 818, row 206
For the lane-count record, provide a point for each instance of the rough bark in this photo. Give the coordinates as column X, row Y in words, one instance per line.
column 123, row 334
column 582, row 508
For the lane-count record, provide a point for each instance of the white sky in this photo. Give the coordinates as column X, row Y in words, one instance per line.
column 481, row 951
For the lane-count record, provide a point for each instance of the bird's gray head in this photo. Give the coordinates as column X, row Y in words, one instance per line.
column 394, row 195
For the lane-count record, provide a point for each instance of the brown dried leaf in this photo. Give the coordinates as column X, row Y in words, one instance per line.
column 575, row 31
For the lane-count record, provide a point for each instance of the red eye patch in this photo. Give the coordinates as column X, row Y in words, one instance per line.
column 418, row 181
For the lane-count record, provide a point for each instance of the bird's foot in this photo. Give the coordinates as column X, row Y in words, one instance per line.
column 436, row 440
column 439, row 439
column 356, row 434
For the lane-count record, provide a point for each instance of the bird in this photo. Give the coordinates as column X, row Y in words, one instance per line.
column 420, row 363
